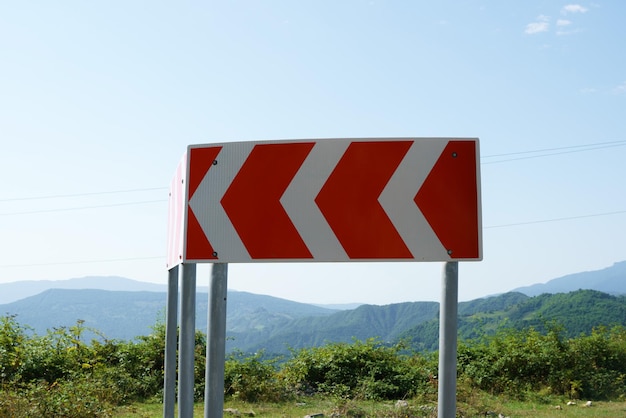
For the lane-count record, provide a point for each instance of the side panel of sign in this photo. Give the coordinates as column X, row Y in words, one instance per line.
column 176, row 215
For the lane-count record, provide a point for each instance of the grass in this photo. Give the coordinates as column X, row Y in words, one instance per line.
column 543, row 410
column 481, row 406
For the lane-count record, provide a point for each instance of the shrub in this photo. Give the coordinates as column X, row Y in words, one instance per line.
column 76, row 398
column 252, row 379
column 598, row 362
column 518, row 363
column 368, row 369
column 62, row 375
column 12, row 346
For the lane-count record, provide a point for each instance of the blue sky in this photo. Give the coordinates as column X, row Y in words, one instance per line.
column 98, row 101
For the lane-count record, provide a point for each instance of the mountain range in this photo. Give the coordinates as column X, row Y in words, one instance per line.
column 258, row 322
column 611, row 280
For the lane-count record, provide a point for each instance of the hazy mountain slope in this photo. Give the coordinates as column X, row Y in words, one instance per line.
column 610, row 280
column 475, row 318
column 120, row 315
column 14, row 291
column 125, row 315
column 577, row 312
column 257, row 322
column 367, row 321
column 492, row 303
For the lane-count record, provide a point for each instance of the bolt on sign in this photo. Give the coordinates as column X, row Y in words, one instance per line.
column 325, row 200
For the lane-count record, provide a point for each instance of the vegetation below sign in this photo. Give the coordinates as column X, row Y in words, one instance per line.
column 61, row 374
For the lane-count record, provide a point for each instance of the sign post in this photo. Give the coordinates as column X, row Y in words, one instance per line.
column 169, row 374
column 216, row 341
column 448, row 340
column 319, row 200
column 186, row 347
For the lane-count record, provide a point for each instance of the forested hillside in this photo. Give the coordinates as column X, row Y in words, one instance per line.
column 257, row 322
column 574, row 313
column 126, row 315
column 367, row 321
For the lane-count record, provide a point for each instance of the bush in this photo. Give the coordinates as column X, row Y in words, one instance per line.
column 60, row 374
column 12, row 346
column 598, row 362
column 134, row 367
column 369, row 370
column 252, row 379
column 519, row 363
column 77, row 398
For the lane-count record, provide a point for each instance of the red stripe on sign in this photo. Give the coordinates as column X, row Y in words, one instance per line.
column 449, row 199
column 200, row 161
column 198, row 245
column 252, row 202
column 349, row 200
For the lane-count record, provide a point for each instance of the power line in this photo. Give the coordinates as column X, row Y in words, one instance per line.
column 622, row 142
column 83, row 207
column 567, row 218
column 547, row 152
column 64, row 263
column 59, row 196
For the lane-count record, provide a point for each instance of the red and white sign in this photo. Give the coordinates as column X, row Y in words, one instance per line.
column 391, row 199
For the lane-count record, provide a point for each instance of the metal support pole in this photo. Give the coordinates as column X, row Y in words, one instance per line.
column 187, row 341
column 216, row 342
column 448, row 340
column 171, row 319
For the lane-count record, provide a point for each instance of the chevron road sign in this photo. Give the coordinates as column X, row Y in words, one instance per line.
column 374, row 199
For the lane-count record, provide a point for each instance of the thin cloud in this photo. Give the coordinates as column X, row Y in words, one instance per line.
column 536, row 27
column 573, row 8
column 563, row 28
column 621, row 89
column 567, row 32
column 542, row 24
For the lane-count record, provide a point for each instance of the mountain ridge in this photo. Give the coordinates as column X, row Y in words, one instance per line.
column 140, row 310
column 275, row 326
column 611, row 280
column 261, row 322
column 14, row 291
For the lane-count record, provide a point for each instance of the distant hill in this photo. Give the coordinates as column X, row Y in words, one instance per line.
column 126, row 315
column 14, row 291
column 257, row 322
column 576, row 312
column 366, row 321
column 117, row 315
column 611, row 280
column 389, row 323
